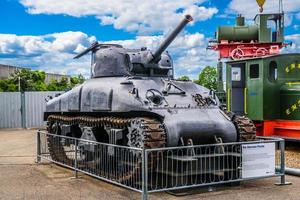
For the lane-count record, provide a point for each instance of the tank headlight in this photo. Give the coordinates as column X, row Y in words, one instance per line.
column 154, row 96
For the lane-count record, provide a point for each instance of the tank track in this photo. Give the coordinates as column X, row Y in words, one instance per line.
column 245, row 127
column 149, row 131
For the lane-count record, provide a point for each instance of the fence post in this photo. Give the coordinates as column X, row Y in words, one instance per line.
column 282, row 164
column 23, row 110
column 38, row 147
column 75, row 164
column 144, row 175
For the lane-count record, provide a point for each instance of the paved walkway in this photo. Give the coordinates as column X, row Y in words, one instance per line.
column 21, row 178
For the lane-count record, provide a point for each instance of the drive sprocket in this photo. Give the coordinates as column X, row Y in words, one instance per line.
column 245, row 128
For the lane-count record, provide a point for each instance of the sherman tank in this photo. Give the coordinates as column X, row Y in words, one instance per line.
column 132, row 99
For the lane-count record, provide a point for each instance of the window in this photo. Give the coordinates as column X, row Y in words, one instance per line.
column 273, row 71
column 254, row 71
column 236, row 73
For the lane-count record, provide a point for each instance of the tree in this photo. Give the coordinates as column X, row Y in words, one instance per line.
column 35, row 81
column 7, row 86
column 61, row 85
column 75, row 80
column 29, row 80
column 53, row 85
column 208, row 78
column 183, row 78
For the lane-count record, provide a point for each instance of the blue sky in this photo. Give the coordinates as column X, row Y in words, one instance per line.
column 47, row 34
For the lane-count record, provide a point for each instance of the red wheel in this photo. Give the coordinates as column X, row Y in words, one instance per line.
column 237, row 54
column 261, row 52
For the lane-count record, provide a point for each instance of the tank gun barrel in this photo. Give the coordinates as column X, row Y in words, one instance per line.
column 164, row 45
column 91, row 48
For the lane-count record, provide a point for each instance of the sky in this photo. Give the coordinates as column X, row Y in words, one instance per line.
column 47, row 34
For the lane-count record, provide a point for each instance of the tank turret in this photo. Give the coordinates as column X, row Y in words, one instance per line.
column 114, row 60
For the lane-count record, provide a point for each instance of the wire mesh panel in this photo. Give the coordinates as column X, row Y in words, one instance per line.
column 191, row 166
column 153, row 170
column 118, row 164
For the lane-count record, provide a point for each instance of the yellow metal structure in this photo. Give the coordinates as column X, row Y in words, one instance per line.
column 229, row 99
column 245, row 100
column 292, row 83
column 261, row 4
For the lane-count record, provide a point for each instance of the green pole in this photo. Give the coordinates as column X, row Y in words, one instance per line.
column 220, row 77
column 23, row 111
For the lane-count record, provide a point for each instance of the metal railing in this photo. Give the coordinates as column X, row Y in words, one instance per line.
column 154, row 170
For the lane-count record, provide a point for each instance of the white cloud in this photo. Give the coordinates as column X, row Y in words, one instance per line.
column 295, row 48
column 24, row 45
column 69, row 42
column 250, row 8
column 54, row 52
column 131, row 15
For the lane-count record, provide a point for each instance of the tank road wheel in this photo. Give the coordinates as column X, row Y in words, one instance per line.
column 62, row 150
column 138, row 132
column 245, row 127
column 144, row 133
column 56, row 145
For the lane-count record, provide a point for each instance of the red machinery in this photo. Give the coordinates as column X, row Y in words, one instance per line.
column 279, row 128
column 240, row 50
column 262, row 38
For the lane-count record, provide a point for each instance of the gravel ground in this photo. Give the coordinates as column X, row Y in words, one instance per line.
column 293, row 155
column 21, row 178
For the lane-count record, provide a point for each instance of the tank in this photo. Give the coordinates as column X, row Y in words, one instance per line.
column 132, row 99
column 290, row 101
